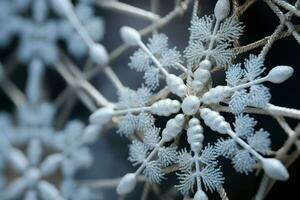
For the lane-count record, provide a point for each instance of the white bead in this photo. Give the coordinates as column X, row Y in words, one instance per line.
column 127, row 184
column 51, row 164
column 195, row 135
column 176, row 85
column 98, row 54
column 200, row 195
column 215, row 121
column 222, row 9
column 48, row 191
column 173, row 128
column 32, row 175
column 165, row 107
column 101, row 116
column 130, row 36
column 197, row 86
column 62, row 6
column 275, row 169
column 190, row 105
column 216, row 95
column 201, row 76
column 280, row 74
column 91, row 133
column 205, row 64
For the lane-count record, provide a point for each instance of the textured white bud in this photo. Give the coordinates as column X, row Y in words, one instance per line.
column 16, row 188
column 173, row 128
column 201, row 76
column 48, row 191
column 195, row 135
column 176, row 85
column 18, row 160
column 216, row 95
column 98, row 54
column 127, row 184
column 275, row 169
column 165, row 107
column 62, row 6
column 205, row 64
column 200, row 195
column 280, row 74
column 222, row 9
column 130, row 36
column 215, row 121
column 190, row 105
column 101, row 116
column 51, row 164
column 91, row 133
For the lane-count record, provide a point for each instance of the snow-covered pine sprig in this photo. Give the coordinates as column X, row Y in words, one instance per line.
column 158, row 46
column 201, row 167
column 132, row 37
column 242, row 160
column 140, row 154
column 245, row 86
column 211, row 36
column 272, row 167
column 134, row 118
column 97, row 51
column 34, row 131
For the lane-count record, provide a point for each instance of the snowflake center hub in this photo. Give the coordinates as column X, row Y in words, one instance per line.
column 190, row 105
column 33, row 175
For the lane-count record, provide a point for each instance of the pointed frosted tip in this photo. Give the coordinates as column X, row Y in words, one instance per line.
column 98, row 54
column 130, row 36
column 101, row 116
column 275, row 169
column 222, row 9
column 200, row 195
column 127, row 184
column 280, row 74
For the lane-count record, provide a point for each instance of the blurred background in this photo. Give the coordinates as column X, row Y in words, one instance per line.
column 111, row 151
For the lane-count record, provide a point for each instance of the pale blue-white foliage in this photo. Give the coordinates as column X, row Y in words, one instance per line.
column 242, row 160
column 8, row 22
column 75, row 155
column 94, row 26
column 39, row 32
column 257, row 95
column 129, row 98
column 140, row 150
column 130, row 123
column 38, row 41
column 46, row 152
column 210, row 174
column 72, row 191
column 201, row 35
column 141, row 62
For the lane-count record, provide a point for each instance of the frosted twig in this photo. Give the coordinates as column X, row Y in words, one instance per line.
column 269, row 110
column 107, row 183
column 223, row 194
column 16, row 96
column 128, row 9
column 288, row 7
